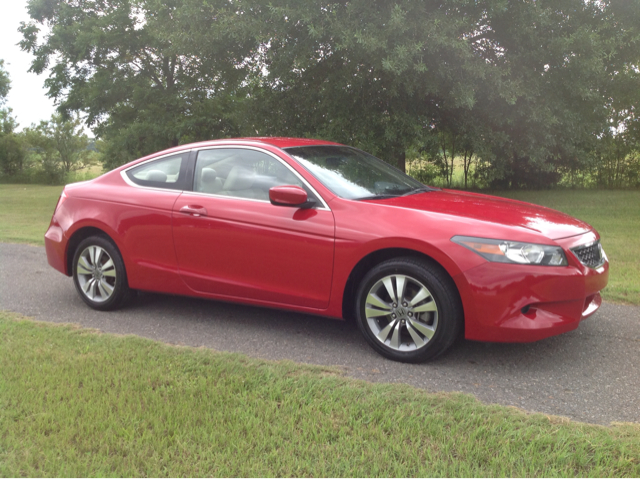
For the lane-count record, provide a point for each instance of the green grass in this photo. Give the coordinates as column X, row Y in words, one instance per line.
column 78, row 403
column 616, row 216
column 25, row 212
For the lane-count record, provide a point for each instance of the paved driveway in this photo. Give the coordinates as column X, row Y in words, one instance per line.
column 591, row 374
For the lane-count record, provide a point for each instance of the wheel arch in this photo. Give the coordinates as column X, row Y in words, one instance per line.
column 376, row 257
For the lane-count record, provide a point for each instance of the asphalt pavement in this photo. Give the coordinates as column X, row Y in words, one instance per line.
column 591, row 374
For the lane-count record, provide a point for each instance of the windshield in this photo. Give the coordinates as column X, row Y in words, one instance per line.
column 354, row 174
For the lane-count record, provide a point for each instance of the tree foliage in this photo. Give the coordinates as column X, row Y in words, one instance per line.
column 118, row 63
column 54, row 148
column 11, row 148
column 526, row 85
column 527, row 88
column 5, row 83
column 60, row 145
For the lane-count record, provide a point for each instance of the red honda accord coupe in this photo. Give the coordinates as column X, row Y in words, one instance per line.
column 323, row 228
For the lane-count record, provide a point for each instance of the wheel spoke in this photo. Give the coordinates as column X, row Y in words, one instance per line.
column 422, row 328
column 98, row 256
column 85, row 263
column 103, row 292
column 384, row 334
column 82, row 269
column 87, row 286
column 400, row 283
column 423, row 308
column 420, row 296
column 374, row 300
column 109, row 269
column 94, row 289
column 374, row 313
column 92, row 255
column 389, row 285
column 395, row 338
column 416, row 337
column 106, row 287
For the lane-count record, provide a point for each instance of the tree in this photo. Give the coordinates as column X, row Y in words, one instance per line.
column 5, row 84
column 524, row 85
column 374, row 74
column 61, row 145
column 11, row 148
column 560, row 59
column 122, row 64
column 528, row 81
column 12, row 153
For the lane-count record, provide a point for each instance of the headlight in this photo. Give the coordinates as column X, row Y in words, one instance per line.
column 503, row 251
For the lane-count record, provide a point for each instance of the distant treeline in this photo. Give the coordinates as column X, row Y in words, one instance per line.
column 475, row 93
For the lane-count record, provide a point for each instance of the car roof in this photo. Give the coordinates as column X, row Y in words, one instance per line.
column 277, row 141
column 284, row 142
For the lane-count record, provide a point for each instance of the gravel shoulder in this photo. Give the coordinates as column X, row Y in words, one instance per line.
column 590, row 375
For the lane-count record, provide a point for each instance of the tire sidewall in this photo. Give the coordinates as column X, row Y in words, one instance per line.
column 121, row 287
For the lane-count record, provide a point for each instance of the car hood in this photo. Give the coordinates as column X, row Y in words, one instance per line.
column 551, row 223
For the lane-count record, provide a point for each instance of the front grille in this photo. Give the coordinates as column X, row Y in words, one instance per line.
column 590, row 255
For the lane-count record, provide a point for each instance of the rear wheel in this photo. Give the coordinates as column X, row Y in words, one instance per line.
column 408, row 310
column 99, row 274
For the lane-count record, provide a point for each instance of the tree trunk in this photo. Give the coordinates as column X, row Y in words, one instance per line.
column 443, row 146
column 466, row 165
column 401, row 161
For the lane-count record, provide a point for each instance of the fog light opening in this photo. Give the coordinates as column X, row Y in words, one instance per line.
column 526, row 309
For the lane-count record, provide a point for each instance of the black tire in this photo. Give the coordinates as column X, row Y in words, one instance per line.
column 99, row 274
column 402, row 330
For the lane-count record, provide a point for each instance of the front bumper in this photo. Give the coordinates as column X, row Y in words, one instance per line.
column 521, row 303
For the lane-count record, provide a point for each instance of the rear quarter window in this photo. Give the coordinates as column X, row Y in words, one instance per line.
column 167, row 173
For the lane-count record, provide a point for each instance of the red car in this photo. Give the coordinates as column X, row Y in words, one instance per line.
column 322, row 228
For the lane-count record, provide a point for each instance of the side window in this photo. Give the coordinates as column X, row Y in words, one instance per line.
column 241, row 173
column 164, row 173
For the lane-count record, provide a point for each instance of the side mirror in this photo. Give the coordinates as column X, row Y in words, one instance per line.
column 289, row 195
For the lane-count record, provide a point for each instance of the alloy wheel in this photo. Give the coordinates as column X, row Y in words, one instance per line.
column 401, row 312
column 96, row 273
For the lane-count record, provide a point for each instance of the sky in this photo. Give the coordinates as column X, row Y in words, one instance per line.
column 27, row 97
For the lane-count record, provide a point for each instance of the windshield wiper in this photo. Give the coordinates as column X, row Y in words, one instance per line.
column 375, row 197
column 424, row 189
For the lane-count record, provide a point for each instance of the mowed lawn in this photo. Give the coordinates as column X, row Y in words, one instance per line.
column 25, row 212
column 75, row 402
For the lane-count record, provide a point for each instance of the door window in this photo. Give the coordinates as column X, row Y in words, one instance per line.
column 242, row 173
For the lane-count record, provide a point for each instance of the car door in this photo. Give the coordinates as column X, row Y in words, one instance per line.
column 232, row 242
column 142, row 211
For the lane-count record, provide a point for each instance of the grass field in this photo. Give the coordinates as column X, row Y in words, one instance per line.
column 26, row 211
column 79, row 403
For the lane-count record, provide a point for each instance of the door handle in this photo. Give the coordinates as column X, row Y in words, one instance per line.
column 194, row 210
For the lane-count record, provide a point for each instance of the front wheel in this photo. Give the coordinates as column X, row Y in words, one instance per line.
column 99, row 274
column 408, row 310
